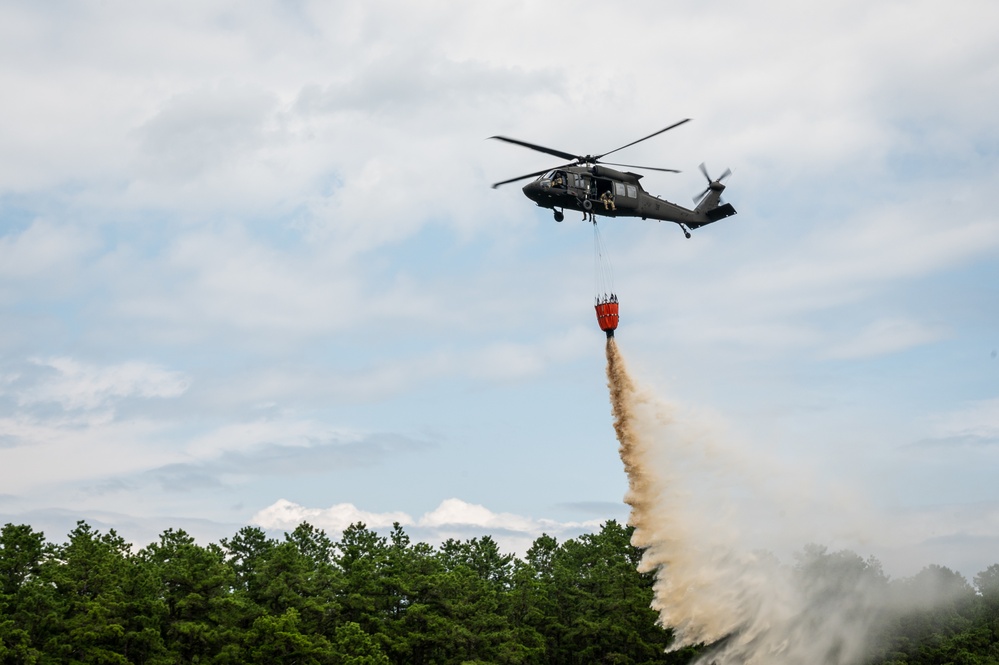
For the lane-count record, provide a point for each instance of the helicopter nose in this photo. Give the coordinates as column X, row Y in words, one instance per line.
column 531, row 190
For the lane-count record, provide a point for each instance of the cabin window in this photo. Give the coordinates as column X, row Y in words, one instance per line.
column 619, row 189
column 633, row 191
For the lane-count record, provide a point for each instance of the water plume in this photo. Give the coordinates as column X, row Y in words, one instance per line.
column 710, row 587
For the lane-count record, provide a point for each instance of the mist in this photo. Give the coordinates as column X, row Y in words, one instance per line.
column 689, row 495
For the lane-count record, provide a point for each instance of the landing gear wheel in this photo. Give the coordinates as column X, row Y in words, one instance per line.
column 559, row 216
column 587, row 205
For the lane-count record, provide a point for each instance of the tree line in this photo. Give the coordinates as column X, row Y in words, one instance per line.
column 365, row 599
column 371, row 599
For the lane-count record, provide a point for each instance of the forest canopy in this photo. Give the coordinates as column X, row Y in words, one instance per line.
column 371, row 599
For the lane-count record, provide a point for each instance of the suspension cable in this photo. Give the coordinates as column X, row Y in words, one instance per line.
column 603, row 274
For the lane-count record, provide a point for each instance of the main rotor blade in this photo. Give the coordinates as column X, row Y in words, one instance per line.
column 644, row 168
column 704, row 170
column 539, row 148
column 529, row 175
column 675, row 124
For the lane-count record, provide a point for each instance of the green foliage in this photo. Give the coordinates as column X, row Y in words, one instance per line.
column 370, row 599
column 945, row 621
column 26, row 603
column 196, row 586
column 600, row 604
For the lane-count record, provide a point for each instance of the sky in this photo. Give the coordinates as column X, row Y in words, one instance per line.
column 252, row 271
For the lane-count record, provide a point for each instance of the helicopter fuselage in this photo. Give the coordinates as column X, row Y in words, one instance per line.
column 599, row 190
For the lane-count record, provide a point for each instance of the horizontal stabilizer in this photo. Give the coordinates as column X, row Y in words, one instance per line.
column 713, row 215
column 721, row 212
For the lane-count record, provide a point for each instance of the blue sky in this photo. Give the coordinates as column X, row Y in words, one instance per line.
column 252, row 271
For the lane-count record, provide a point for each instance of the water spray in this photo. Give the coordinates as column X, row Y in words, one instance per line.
column 710, row 588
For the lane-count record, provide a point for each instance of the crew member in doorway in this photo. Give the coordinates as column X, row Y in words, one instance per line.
column 608, row 200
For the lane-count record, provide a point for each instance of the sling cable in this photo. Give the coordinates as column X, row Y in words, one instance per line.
column 606, row 299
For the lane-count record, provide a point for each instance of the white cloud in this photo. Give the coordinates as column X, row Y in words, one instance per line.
column 284, row 514
column 46, row 454
column 200, row 131
column 250, row 435
column 44, row 250
column 962, row 535
column 887, row 336
column 293, row 197
column 975, row 420
column 78, row 385
column 455, row 512
column 453, row 518
column 843, row 262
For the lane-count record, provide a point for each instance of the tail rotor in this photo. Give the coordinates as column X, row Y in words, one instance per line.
column 713, row 185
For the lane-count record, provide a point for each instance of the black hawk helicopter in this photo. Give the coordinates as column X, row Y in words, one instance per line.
column 588, row 185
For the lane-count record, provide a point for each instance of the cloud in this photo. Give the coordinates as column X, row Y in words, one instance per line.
column 962, row 535
column 455, row 512
column 43, row 250
column 952, row 443
column 60, row 422
column 284, row 514
column 139, row 530
column 277, row 449
column 200, row 131
column 269, row 439
column 975, row 423
column 453, row 518
column 44, row 452
column 288, row 205
column 76, row 385
column 64, row 418
column 406, row 83
column 887, row 336
column 859, row 256
column 834, row 289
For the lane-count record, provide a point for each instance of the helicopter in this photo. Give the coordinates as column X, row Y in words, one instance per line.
column 587, row 184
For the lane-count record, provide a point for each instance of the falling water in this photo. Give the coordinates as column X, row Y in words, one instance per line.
column 710, row 587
